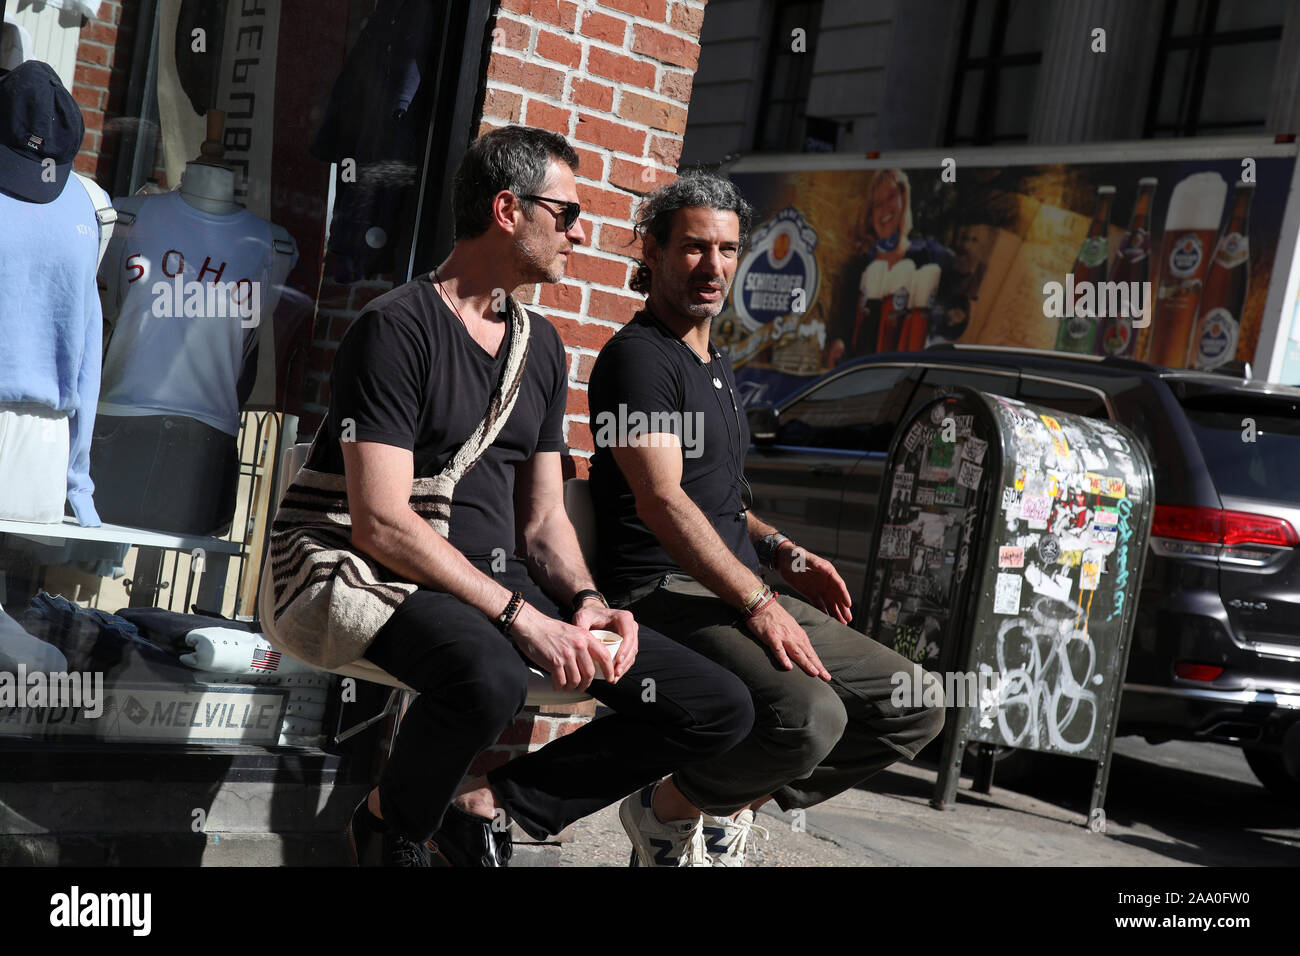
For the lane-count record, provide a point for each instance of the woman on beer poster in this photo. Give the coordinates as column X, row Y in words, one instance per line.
column 900, row 278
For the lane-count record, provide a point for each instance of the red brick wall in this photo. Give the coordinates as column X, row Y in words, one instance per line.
column 614, row 76
column 99, row 85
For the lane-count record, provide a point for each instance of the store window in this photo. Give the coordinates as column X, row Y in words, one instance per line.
column 1213, row 67
column 792, row 48
column 1001, row 48
column 254, row 173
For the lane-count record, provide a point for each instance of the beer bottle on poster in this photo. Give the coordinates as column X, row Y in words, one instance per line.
column 1132, row 267
column 1078, row 332
column 1191, row 226
column 1215, row 341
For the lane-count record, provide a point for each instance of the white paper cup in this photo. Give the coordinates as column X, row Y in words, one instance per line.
column 612, row 641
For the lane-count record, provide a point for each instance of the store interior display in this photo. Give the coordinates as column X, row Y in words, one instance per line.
column 18, row 648
column 15, row 43
column 144, row 654
column 50, row 316
column 190, row 277
column 371, row 122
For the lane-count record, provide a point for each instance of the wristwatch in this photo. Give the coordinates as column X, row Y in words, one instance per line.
column 587, row 593
column 768, row 546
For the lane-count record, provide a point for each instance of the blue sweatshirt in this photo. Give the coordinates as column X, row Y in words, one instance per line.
column 51, row 326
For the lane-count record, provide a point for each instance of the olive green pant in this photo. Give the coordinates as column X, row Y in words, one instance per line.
column 811, row 739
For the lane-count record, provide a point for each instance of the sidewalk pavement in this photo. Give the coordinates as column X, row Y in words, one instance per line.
column 893, row 824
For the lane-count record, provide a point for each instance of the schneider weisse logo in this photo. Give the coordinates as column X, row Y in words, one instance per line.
column 779, row 267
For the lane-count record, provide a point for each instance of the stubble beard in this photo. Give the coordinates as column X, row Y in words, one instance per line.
column 701, row 312
column 535, row 267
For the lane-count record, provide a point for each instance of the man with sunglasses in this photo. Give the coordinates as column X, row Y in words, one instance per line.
column 502, row 581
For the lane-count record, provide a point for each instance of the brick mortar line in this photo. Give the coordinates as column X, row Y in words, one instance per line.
column 595, row 42
column 619, row 88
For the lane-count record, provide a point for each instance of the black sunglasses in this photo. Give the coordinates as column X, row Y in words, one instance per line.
column 568, row 217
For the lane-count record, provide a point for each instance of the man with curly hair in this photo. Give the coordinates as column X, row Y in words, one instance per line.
column 679, row 548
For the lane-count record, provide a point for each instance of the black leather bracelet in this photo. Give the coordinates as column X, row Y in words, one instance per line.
column 507, row 617
column 587, row 593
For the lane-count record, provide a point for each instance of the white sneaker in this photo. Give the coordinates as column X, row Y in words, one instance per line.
column 676, row 843
column 725, row 839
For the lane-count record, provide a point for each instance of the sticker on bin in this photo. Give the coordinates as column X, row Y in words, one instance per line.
column 1089, row 573
column 1011, row 557
column 974, row 449
column 1006, row 595
column 895, row 541
column 968, row 475
column 1011, row 503
column 1059, row 444
column 1036, row 509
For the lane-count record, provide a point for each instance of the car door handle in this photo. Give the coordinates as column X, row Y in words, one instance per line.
column 826, row 471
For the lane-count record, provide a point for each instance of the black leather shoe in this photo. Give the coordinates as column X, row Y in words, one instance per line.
column 468, row 840
column 374, row 844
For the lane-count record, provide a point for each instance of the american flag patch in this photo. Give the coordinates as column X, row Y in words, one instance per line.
column 265, row 660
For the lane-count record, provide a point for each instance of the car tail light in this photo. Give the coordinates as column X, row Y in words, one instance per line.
column 1188, row 524
column 1219, row 527
column 1189, row 671
column 1241, row 527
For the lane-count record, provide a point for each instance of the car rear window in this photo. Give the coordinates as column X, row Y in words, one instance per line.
column 1251, row 445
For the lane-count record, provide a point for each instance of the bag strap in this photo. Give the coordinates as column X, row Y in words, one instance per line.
column 105, row 214
column 499, row 408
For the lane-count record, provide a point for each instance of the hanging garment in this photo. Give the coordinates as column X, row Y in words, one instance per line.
column 371, row 119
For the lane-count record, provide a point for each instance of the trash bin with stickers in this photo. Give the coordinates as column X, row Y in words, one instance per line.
column 1008, row 554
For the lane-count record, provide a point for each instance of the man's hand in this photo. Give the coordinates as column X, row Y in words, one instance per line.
column 568, row 653
column 817, row 580
column 597, row 617
column 776, row 630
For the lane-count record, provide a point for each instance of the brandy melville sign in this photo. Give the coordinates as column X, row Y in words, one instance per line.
column 203, row 713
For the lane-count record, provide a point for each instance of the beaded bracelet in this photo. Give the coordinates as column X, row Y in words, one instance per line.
column 507, row 617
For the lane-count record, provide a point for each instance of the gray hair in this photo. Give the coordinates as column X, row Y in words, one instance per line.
column 513, row 158
column 695, row 188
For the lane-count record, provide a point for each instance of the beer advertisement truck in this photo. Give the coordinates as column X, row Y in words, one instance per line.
column 1179, row 255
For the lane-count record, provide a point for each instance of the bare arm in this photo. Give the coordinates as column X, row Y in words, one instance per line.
column 653, row 469
column 546, row 536
column 654, row 473
column 812, row 576
column 384, row 526
column 550, row 546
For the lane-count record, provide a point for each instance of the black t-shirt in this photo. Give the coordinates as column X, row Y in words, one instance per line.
column 409, row 374
column 647, row 371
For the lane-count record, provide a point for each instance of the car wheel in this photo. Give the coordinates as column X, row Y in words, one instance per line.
column 1272, row 773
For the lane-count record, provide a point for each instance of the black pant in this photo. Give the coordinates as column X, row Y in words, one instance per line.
column 164, row 472
column 673, row 707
